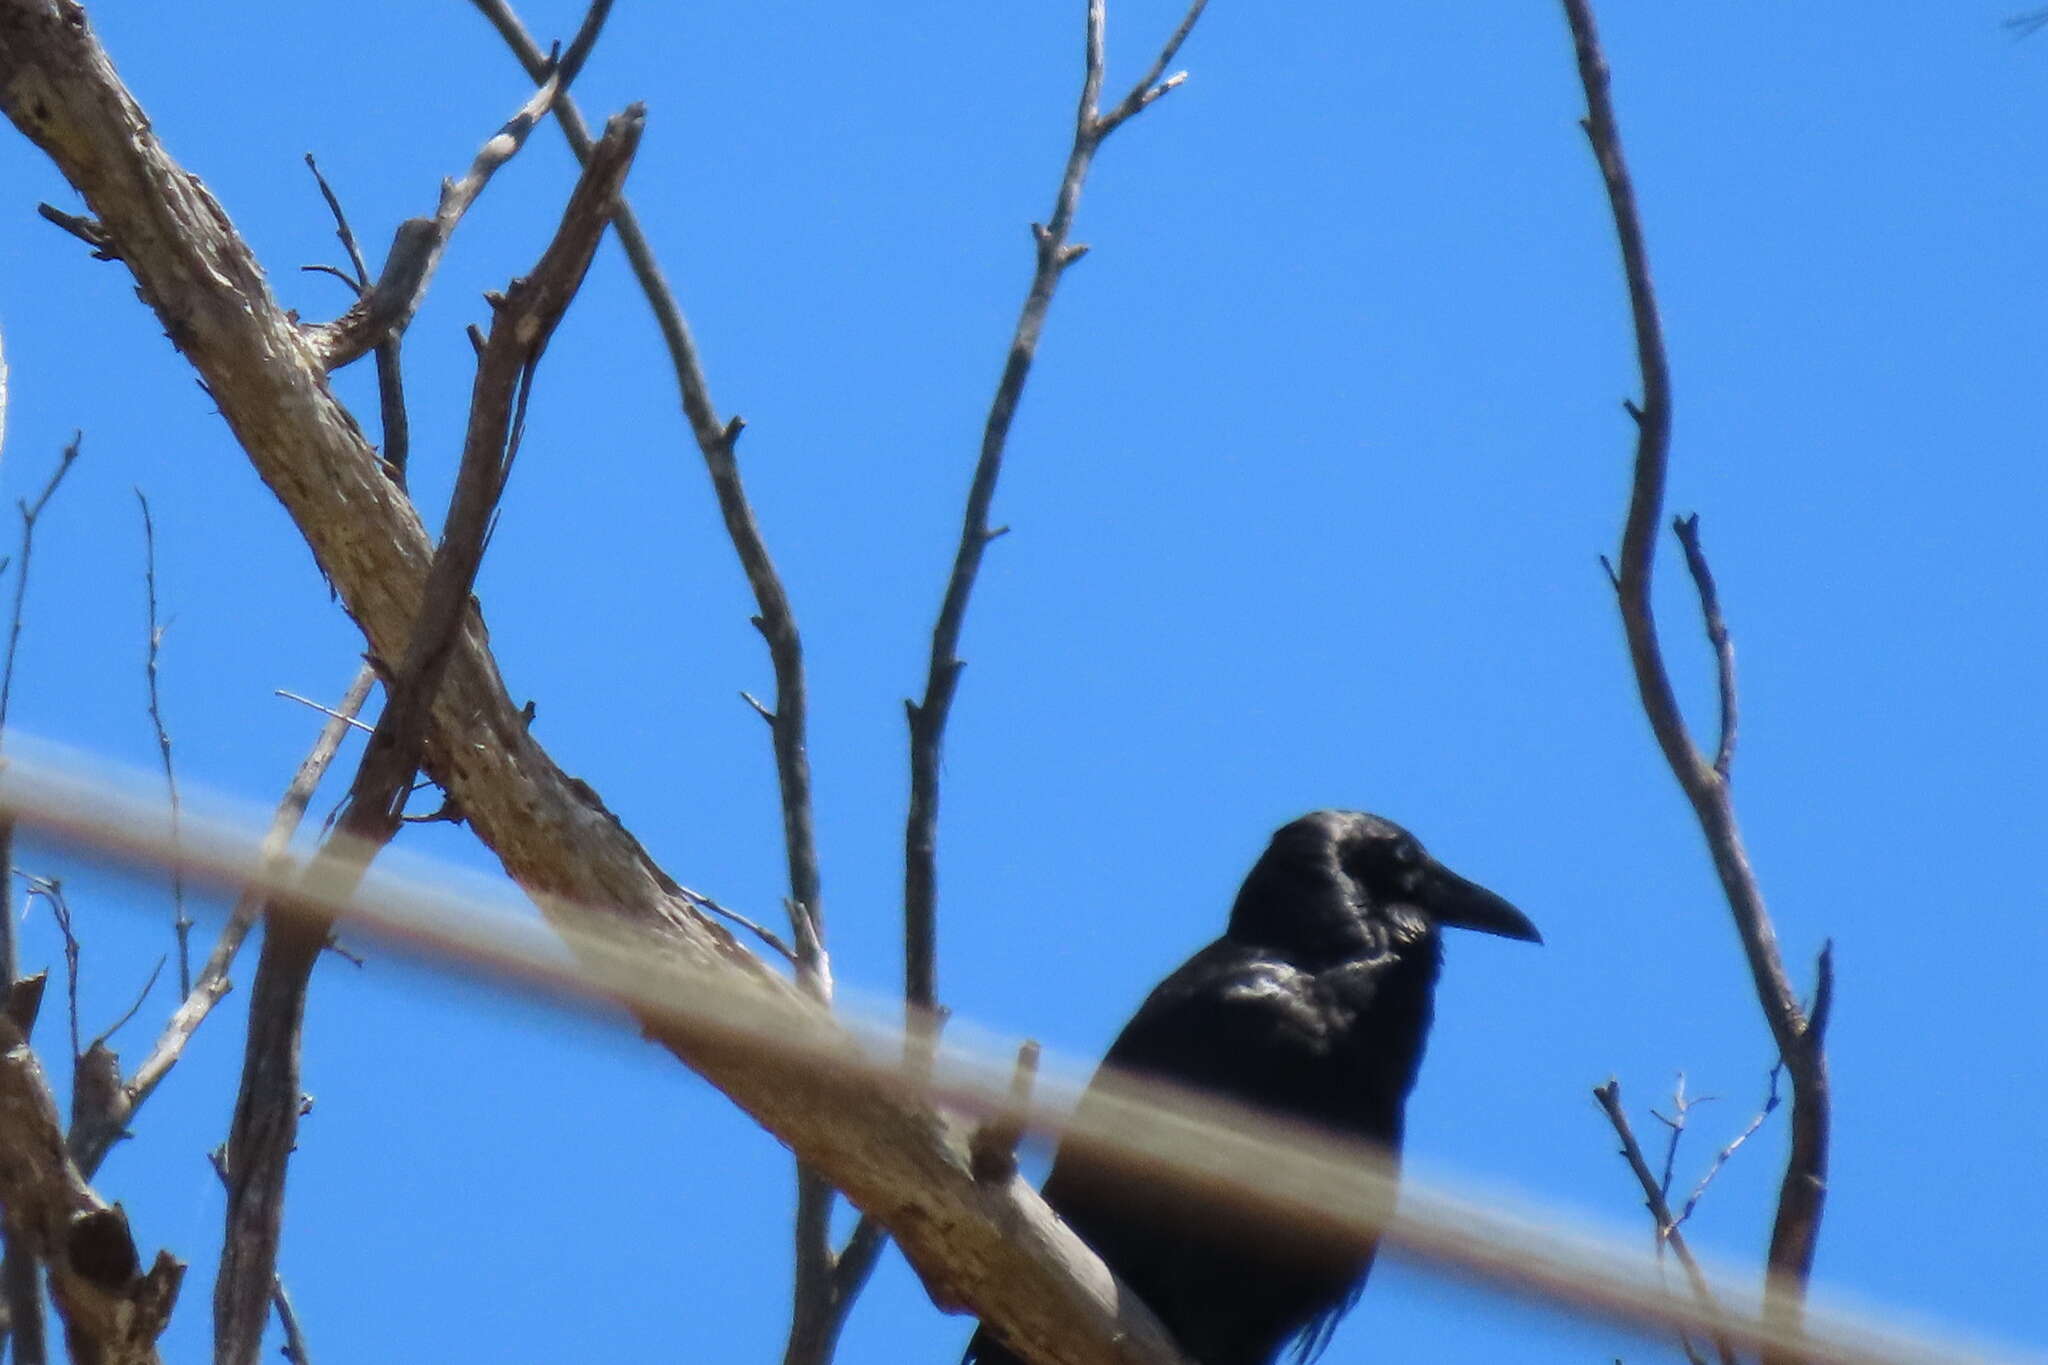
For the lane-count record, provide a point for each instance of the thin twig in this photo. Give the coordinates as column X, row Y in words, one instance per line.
column 392, row 419
column 1770, row 1105
column 265, row 1125
column 1681, row 1110
column 341, row 230
column 1667, row 1234
column 29, row 513
column 10, row 956
column 134, row 1006
column 345, row 716
column 51, row 890
column 1054, row 253
column 1802, row 1195
column 181, row 921
column 759, row 930
column 1688, row 531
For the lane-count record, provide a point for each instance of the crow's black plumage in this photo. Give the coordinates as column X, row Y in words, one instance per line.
column 1314, row 1005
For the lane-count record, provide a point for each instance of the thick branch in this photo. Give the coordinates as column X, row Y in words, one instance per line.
column 1796, row 1229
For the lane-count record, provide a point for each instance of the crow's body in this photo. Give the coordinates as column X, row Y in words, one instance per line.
column 1314, row 1005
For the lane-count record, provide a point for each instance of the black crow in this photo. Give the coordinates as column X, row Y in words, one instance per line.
column 1315, row 1004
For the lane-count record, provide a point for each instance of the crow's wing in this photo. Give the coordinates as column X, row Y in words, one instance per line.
column 1230, row 1283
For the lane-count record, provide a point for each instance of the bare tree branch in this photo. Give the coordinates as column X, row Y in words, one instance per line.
column 1054, row 253
column 1796, row 1229
column 267, row 1110
column 1699, row 1191
column 823, row 1289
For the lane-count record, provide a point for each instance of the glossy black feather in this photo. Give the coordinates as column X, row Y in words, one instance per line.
column 1315, row 1004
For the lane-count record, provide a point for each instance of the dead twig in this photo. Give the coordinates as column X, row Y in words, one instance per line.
column 1770, row 1106
column 50, row 890
column 181, row 918
column 348, row 719
column 391, row 413
column 754, row 927
column 1799, row 1037
column 10, row 965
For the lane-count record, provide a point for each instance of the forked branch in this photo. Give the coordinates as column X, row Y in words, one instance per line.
column 1798, row 1036
column 416, row 249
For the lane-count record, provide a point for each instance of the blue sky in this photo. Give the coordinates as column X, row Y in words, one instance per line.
column 1307, row 495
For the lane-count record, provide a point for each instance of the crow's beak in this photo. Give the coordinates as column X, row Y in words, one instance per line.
column 1453, row 901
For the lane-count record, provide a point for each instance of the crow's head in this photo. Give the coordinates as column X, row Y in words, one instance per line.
column 1334, row 873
